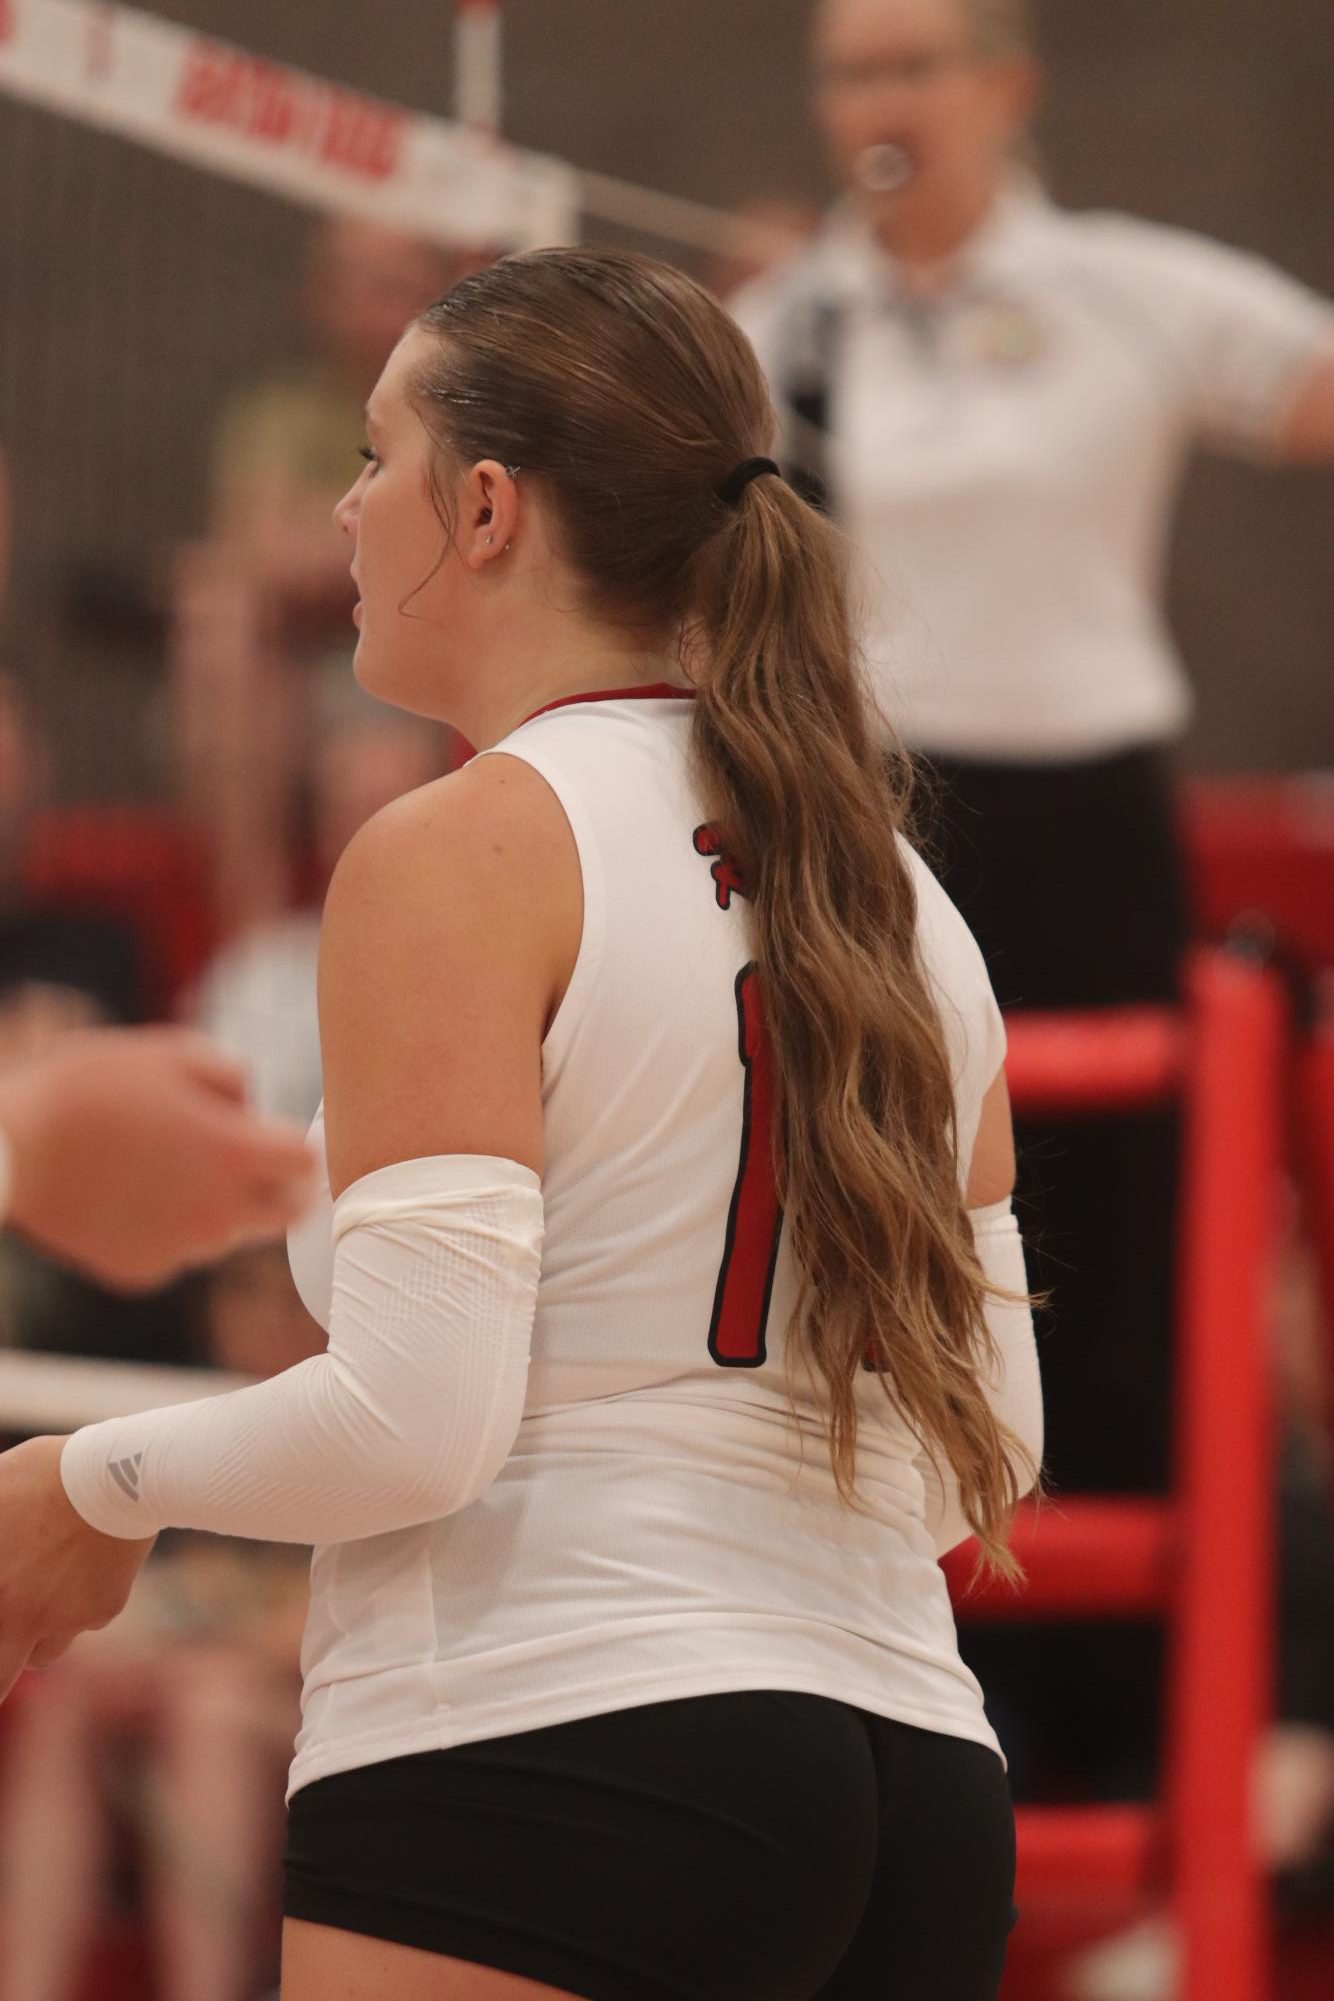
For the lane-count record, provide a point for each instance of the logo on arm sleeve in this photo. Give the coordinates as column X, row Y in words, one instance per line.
column 125, row 1473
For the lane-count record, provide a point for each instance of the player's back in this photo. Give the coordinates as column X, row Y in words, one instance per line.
column 667, row 1522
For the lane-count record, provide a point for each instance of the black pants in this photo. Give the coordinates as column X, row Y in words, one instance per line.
column 750, row 1847
column 1071, row 879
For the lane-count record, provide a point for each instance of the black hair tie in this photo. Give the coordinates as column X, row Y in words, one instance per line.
column 732, row 488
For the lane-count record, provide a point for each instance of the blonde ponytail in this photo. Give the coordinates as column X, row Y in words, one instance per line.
column 809, row 803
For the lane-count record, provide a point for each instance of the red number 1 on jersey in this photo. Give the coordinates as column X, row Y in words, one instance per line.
column 754, row 1221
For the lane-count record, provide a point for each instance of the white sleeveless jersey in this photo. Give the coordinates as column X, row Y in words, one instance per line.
column 665, row 1525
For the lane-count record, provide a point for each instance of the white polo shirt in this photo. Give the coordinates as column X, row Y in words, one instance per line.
column 1006, row 455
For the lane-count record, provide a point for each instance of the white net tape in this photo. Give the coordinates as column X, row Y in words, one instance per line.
column 57, row 1393
column 235, row 113
column 213, row 105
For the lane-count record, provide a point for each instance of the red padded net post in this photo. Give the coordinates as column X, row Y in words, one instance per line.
column 1122, row 1059
column 1219, row 1692
column 1315, row 1137
column 1202, row 1557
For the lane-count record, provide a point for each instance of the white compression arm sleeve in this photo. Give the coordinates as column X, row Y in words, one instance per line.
column 1014, row 1386
column 408, row 1416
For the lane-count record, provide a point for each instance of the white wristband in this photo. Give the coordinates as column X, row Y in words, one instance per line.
column 1013, row 1383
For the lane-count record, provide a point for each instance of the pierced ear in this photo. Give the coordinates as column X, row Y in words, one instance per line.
column 496, row 507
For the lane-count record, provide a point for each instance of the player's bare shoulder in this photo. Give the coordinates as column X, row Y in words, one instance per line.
column 476, row 872
column 450, row 933
column 494, row 825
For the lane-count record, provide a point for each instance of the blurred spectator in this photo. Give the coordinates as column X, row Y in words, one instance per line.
column 258, row 996
column 259, row 604
column 58, row 968
column 61, row 969
column 998, row 398
column 284, row 450
column 173, row 1727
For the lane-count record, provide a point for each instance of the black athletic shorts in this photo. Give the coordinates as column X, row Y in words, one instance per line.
column 751, row 1847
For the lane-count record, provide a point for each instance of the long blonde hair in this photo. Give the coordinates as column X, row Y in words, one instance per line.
column 624, row 389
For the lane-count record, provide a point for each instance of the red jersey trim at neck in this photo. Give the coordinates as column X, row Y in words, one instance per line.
column 660, row 691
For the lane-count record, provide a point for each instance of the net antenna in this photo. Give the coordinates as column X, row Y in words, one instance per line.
column 479, row 66
column 44, row 1393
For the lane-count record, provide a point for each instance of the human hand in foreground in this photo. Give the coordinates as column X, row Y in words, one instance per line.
column 136, row 1156
column 58, row 1576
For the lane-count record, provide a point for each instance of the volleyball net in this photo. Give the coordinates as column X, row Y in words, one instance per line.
column 170, row 315
column 225, row 110
column 159, row 187
column 54, row 1394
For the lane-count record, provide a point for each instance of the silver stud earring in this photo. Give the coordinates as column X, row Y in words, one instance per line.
column 489, row 540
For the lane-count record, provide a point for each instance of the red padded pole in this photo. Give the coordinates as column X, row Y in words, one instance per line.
column 1315, row 1136
column 1083, row 1558
column 1083, row 1857
column 1219, row 1688
column 1110, row 1060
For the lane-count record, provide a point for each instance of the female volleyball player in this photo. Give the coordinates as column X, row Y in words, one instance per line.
column 630, row 1671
